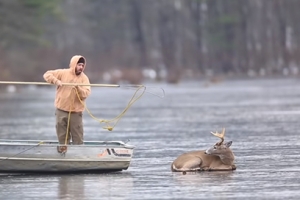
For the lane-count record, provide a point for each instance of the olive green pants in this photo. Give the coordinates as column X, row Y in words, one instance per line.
column 75, row 132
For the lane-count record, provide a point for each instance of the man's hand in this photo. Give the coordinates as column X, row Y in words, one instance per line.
column 58, row 83
column 76, row 87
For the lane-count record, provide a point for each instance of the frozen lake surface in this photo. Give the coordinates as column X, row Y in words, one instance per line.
column 261, row 117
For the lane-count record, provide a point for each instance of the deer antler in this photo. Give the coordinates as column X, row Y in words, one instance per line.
column 219, row 135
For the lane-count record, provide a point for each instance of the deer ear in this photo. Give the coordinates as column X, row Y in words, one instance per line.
column 228, row 144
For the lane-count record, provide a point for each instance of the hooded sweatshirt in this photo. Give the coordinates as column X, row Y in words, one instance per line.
column 66, row 96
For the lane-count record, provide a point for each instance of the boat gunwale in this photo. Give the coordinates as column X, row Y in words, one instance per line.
column 108, row 159
column 113, row 144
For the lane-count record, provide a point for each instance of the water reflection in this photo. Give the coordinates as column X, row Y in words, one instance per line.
column 196, row 178
column 95, row 186
column 67, row 187
column 71, row 187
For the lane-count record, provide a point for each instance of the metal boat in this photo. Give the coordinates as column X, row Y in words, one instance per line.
column 49, row 156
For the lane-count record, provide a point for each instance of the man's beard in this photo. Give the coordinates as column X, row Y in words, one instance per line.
column 77, row 72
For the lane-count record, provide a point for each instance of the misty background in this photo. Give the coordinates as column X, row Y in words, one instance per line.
column 150, row 40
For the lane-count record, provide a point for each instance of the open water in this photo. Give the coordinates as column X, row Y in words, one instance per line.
column 261, row 117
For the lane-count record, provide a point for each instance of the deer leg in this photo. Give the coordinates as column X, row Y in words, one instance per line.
column 223, row 168
column 192, row 164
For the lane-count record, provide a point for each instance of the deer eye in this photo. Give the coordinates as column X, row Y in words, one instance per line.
column 215, row 147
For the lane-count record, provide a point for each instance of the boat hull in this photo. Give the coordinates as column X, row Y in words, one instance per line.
column 46, row 156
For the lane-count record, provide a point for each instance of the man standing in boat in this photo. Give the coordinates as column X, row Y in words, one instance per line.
column 70, row 100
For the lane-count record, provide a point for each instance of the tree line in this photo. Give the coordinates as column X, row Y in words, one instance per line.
column 174, row 38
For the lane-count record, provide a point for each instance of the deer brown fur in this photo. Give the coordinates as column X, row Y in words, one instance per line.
column 219, row 157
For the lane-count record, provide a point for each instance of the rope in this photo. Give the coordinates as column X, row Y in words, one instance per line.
column 23, row 151
column 133, row 99
column 69, row 117
column 68, row 127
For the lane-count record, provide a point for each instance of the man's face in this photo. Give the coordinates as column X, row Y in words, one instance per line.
column 79, row 68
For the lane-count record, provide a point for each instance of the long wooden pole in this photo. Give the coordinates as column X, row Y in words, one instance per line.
column 66, row 84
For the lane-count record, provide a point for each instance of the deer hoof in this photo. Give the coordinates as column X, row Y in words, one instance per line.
column 233, row 167
column 205, row 169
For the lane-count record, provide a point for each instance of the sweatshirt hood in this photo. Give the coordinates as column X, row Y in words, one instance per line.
column 73, row 62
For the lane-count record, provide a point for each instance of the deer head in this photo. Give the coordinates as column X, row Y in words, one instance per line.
column 220, row 149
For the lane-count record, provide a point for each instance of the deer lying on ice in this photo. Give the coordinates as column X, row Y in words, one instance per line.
column 216, row 158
